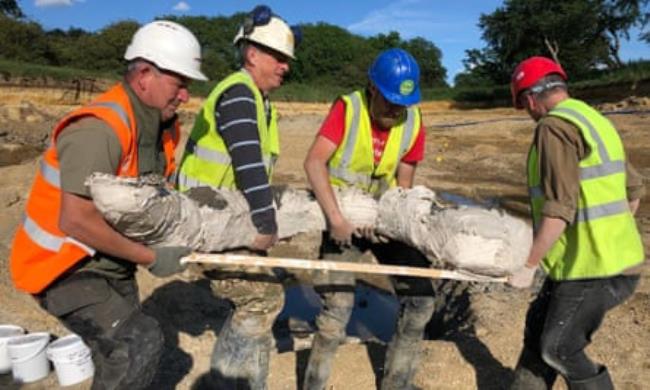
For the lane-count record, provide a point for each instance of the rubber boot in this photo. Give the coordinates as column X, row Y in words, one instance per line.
column 404, row 350
column 532, row 373
column 319, row 366
column 602, row 381
column 240, row 361
column 402, row 358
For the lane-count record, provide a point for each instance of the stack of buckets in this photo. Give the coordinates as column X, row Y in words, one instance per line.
column 26, row 356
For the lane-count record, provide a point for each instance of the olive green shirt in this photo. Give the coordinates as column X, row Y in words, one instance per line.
column 561, row 148
column 90, row 145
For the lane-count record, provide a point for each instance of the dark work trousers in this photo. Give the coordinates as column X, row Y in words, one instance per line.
column 241, row 355
column 560, row 324
column 126, row 344
column 337, row 293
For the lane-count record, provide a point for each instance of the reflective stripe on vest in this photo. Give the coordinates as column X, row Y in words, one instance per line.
column 115, row 107
column 50, row 174
column 603, row 239
column 341, row 165
column 50, row 241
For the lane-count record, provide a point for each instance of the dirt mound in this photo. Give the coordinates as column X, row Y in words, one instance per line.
column 24, row 132
column 630, row 103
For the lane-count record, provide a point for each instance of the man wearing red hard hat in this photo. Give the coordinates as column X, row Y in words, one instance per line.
column 583, row 196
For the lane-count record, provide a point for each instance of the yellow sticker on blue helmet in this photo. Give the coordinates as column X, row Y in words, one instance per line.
column 406, row 87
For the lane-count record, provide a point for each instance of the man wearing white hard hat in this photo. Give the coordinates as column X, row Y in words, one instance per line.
column 64, row 253
column 234, row 144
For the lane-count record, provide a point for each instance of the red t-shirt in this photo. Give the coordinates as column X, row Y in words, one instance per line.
column 334, row 126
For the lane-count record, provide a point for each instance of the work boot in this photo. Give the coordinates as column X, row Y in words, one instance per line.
column 402, row 356
column 532, row 373
column 402, row 359
column 239, row 361
column 602, row 381
column 319, row 366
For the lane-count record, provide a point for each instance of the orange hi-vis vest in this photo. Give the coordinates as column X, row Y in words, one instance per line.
column 41, row 252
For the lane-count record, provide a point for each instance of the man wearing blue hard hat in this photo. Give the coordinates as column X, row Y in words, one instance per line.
column 372, row 139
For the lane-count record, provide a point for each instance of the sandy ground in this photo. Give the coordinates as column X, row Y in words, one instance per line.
column 478, row 154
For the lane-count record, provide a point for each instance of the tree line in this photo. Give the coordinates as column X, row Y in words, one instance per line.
column 583, row 35
column 328, row 54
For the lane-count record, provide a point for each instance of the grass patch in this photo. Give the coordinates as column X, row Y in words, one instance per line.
column 622, row 79
column 485, row 95
column 632, row 72
column 10, row 69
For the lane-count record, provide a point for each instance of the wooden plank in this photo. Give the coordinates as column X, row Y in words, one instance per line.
column 328, row 265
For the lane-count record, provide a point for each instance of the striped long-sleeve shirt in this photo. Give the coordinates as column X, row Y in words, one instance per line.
column 236, row 116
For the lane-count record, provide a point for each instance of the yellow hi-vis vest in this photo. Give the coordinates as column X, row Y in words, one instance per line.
column 206, row 160
column 603, row 239
column 353, row 162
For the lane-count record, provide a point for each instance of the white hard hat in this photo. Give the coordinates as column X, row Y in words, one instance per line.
column 169, row 46
column 276, row 34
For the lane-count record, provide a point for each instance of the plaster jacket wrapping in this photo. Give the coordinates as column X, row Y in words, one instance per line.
column 488, row 242
column 475, row 239
column 147, row 211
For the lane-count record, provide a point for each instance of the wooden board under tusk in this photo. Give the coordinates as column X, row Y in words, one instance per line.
column 339, row 266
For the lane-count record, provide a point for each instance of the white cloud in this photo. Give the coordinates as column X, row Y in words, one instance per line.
column 56, row 3
column 410, row 18
column 182, row 7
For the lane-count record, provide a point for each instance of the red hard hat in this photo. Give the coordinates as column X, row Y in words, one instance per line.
column 529, row 72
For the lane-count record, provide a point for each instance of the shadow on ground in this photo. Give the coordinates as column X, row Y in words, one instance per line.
column 182, row 307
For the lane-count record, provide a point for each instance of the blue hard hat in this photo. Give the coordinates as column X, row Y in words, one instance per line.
column 397, row 76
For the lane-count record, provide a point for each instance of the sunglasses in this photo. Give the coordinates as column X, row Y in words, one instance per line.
column 261, row 16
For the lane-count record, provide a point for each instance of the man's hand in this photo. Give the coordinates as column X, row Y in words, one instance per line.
column 341, row 232
column 523, row 277
column 370, row 234
column 168, row 260
column 263, row 242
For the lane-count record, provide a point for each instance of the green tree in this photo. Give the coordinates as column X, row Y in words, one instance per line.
column 332, row 55
column 385, row 41
column 432, row 73
column 216, row 36
column 617, row 18
column 11, row 9
column 66, row 46
column 23, row 41
column 110, row 44
column 580, row 34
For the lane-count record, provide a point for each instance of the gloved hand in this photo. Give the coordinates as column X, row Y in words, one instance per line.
column 168, row 260
column 523, row 277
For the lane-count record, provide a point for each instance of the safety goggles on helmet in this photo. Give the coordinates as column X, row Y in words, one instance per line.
column 261, row 16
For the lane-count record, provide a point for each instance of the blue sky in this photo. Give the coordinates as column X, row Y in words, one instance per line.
column 450, row 25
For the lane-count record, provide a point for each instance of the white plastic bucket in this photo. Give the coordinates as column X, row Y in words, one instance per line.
column 72, row 360
column 7, row 332
column 27, row 354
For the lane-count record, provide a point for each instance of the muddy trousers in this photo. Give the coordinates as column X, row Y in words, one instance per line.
column 560, row 324
column 337, row 293
column 126, row 344
column 240, row 358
